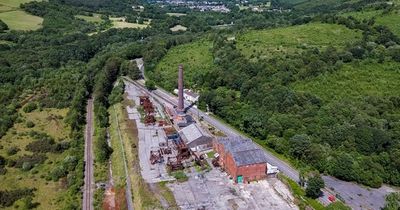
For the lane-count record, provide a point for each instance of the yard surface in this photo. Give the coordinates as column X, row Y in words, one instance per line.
column 49, row 193
column 17, row 19
column 214, row 190
column 263, row 43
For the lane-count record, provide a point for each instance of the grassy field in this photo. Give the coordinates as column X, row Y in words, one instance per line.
column 117, row 22
column 196, row 58
column 391, row 20
column 117, row 159
column 93, row 19
column 175, row 14
column 122, row 24
column 17, row 19
column 178, row 28
column 262, row 43
column 48, row 193
column 363, row 14
column 14, row 3
column 355, row 81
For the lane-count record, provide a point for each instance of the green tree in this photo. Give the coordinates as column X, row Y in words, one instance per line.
column 129, row 68
column 392, row 201
column 300, row 145
column 150, row 85
column 3, row 26
column 314, row 185
column 337, row 206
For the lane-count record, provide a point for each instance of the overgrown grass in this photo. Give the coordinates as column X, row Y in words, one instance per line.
column 167, row 194
column 195, row 57
column 117, row 160
column 51, row 121
column 143, row 198
column 180, row 176
column 93, row 19
column 363, row 14
column 264, row 43
column 300, row 194
column 391, row 20
column 355, row 81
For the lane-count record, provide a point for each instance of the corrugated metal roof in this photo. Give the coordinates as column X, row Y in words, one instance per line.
column 192, row 132
column 244, row 151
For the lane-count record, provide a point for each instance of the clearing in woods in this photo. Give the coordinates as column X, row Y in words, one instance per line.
column 117, row 22
column 15, row 18
column 195, row 56
column 257, row 43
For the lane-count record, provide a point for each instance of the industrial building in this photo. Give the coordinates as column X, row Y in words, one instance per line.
column 241, row 159
column 196, row 138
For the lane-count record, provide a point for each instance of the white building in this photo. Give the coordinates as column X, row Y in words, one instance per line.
column 189, row 95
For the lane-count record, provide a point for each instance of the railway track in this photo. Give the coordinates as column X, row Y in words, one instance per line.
column 87, row 203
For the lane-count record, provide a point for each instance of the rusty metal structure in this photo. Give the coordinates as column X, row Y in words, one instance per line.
column 149, row 120
column 156, row 157
column 148, row 108
column 173, row 164
column 177, row 162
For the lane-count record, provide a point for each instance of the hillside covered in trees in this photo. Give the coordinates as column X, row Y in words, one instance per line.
column 323, row 92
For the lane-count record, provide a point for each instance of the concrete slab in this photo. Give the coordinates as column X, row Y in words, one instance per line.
column 213, row 190
column 150, row 138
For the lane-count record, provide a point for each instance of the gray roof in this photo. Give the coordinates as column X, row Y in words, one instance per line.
column 244, row 151
column 192, row 133
column 191, row 93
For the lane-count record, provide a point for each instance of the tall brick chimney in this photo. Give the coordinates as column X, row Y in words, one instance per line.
column 180, row 89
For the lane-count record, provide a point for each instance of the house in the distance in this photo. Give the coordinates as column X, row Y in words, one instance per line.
column 241, row 159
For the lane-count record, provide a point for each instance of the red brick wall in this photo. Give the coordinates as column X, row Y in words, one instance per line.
column 252, row 172
column 219, row 148
column 249, row 172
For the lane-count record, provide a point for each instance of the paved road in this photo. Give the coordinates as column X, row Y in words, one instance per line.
column 87, row 203
column 354, row 195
